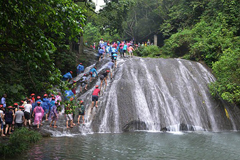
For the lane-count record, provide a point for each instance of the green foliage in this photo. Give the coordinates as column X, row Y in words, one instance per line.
column 34, row 37
column 227, row 70
column 19, row 142
column 145, row 51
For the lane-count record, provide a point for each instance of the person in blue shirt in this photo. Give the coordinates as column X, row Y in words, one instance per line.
column 69, row 94
column 114, row 50
column 125, row 50
column 52, row 103
column 3, row 100
column 46, row 105
column 101, row 53
column 67, row 76
column 80, row 69
column 115, row 59
column 93, row 73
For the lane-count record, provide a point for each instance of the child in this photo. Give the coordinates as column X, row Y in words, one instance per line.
column 81, row 110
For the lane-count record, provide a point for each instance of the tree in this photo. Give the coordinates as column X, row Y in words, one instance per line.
column 31, row 35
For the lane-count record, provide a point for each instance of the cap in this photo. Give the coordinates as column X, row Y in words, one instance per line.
column 71, row 72
column 32, row 94
column 45, row 95
column 21, row 107
column 80, row 63
column 38, row 97
column 74, row 81
column 1, row 105
column 107, row 71
column 10, row 107
column 15, row 104
column 56, row 102
column 81, row 101
column 38, row 102
column 53, row 97
column 96, row 86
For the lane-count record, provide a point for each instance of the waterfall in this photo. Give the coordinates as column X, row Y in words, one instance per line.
column 155, row 95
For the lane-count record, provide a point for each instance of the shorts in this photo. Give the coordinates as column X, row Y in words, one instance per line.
column 46, row 110
column 19, row 125
column 69, row 117
column 2, row 125
column 27, row 115
column 9, row 122
column 94, row 98
column 101, row 77
column 83, row 84
column 81, row 113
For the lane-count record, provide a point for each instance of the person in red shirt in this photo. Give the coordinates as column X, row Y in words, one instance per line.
column 95, row 96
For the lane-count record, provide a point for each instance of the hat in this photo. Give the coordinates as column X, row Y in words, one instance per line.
column 1, row 105
column 56, row 102
column 74, row 81
column 80, row 63
column 15, row 104
column 53, row 97
column 38, row 97
column 107, row 71
column 45, row 95
column 96, row 86
column 32, row 94
column 21, row 107
column 71, row 72
column 10, row 107
column 38, row 102
column 81, row 101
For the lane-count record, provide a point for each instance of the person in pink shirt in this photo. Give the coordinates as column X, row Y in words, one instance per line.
column 95, row 96
column 38, row 114
column 130, row 51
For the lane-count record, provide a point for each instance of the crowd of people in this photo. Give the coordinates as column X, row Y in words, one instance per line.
column 34, row 110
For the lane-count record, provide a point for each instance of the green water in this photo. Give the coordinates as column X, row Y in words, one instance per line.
column 142, row 145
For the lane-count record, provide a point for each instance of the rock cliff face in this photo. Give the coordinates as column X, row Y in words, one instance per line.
column 153, row 94
column 156, row 95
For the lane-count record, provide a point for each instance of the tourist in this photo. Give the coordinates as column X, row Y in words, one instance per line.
column 104, row 77
column 101, row 53
column 3, row 100
column 125, row 50
column 80, row 68
column 38, row 114
column 83, row 82
column 68, row 114
column 81, row 111
column 32, row 98
column 115, row 59
column 67, row 76
column 53, row 116
column 27, row 113
column 46, row 106
column 9, row 116
column 35, row 104
column 1, row 120
column 93, row 73
column 121, row 48
column 130, row 51
column 74, row 87
column 110, row 67
column 19, row 116
column 52, row 103
column 95, row 96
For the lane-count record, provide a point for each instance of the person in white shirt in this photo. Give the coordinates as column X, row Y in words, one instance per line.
column 27, row 113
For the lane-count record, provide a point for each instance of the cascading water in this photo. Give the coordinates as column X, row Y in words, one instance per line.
column 152, row 94
column 155, row 95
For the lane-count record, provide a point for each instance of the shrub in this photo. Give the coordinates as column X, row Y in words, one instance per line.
column 19, row 141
